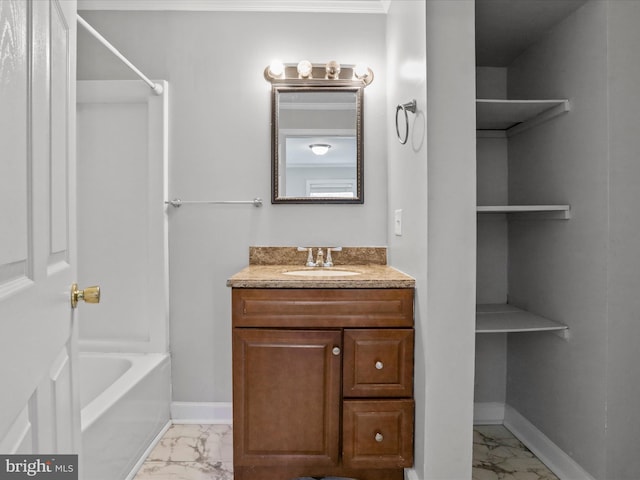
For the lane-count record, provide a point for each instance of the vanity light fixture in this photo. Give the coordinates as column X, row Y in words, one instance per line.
column 305, row 68
column 320, row 148
column 305, row 73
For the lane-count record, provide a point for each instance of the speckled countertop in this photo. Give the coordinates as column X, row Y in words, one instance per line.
column 267, row 267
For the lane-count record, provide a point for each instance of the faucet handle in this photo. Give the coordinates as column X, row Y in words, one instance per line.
column 309, row 250
column 329, row 262
column 310, row 262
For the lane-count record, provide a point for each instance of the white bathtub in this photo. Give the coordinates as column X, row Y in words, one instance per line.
column 125, row 402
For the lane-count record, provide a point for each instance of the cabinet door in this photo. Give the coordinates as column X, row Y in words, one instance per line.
column 286, row 387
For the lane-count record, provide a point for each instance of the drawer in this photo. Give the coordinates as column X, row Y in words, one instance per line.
column 378, row 363
column 322, row 308
column 378, row 433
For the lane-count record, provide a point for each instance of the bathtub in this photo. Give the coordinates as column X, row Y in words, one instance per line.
column 125, row 402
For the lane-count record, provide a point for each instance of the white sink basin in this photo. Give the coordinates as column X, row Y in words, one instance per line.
column 327, row 272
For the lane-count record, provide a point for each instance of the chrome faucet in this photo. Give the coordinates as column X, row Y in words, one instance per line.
column 320, row 261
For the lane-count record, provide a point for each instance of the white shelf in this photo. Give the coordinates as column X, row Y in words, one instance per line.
column 505, row 318
column 545, row 211
column 515, row 116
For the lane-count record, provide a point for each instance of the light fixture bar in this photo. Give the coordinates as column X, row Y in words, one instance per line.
column 326, row 74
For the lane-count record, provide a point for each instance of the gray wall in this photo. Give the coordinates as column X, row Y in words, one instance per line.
column 582, row 393
column 556, row 268
column 451, row 224
column 623, row 328
column 432, row 179
column 220, row 149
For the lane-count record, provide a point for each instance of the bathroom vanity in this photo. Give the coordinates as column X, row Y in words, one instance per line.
column 322, row 368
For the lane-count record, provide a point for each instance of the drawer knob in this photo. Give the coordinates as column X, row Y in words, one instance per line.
column 379, row 437
column 379, row 365
column 336, row 351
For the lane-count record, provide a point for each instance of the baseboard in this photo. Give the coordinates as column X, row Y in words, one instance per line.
column 488, row 413
column 219, row 413
column 548, row 452
column 410, row 474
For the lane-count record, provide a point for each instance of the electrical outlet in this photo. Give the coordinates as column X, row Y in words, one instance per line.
column 397, row 222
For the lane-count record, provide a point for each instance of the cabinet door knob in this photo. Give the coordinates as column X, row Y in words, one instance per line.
column 336, row 351
column 379, row 365
column 379, row 437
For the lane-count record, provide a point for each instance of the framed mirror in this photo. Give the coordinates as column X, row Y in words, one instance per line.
column 317, row 141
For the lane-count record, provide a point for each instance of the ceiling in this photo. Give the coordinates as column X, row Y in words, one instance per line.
column 505, row 28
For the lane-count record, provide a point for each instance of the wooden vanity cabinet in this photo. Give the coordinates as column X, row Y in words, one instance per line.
column 322, row 383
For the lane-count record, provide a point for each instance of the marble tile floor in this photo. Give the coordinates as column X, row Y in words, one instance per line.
column 199, row 452
column 499, row 455
column 191, row 452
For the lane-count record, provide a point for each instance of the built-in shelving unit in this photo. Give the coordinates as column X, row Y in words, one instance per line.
column 505, row 318
column 506, row 118
column 497, row 117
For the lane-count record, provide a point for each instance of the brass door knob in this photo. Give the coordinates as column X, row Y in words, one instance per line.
column 88, row 295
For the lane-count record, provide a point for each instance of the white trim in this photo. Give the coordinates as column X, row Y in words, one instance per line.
column 303, row 6
column 488, row 413
column 214, row 413
column 411, row 474
column 548, row 452
column 148, row 451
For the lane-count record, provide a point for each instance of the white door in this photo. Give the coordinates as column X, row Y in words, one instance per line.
column 39, row 408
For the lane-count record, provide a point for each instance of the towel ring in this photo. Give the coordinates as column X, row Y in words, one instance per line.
column 405, row 107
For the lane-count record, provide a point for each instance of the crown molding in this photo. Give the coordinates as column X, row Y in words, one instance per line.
column 303, row 6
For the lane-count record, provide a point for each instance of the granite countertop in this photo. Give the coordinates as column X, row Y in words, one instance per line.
column 267, row 267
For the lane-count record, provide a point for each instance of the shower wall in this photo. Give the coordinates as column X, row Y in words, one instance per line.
column 122, row 235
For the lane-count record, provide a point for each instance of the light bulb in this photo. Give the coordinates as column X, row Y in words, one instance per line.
column 305, row 68
column 333, row 69
column 276, row 68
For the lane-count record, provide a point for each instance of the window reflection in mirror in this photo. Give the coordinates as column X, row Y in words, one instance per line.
column 317, row 145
